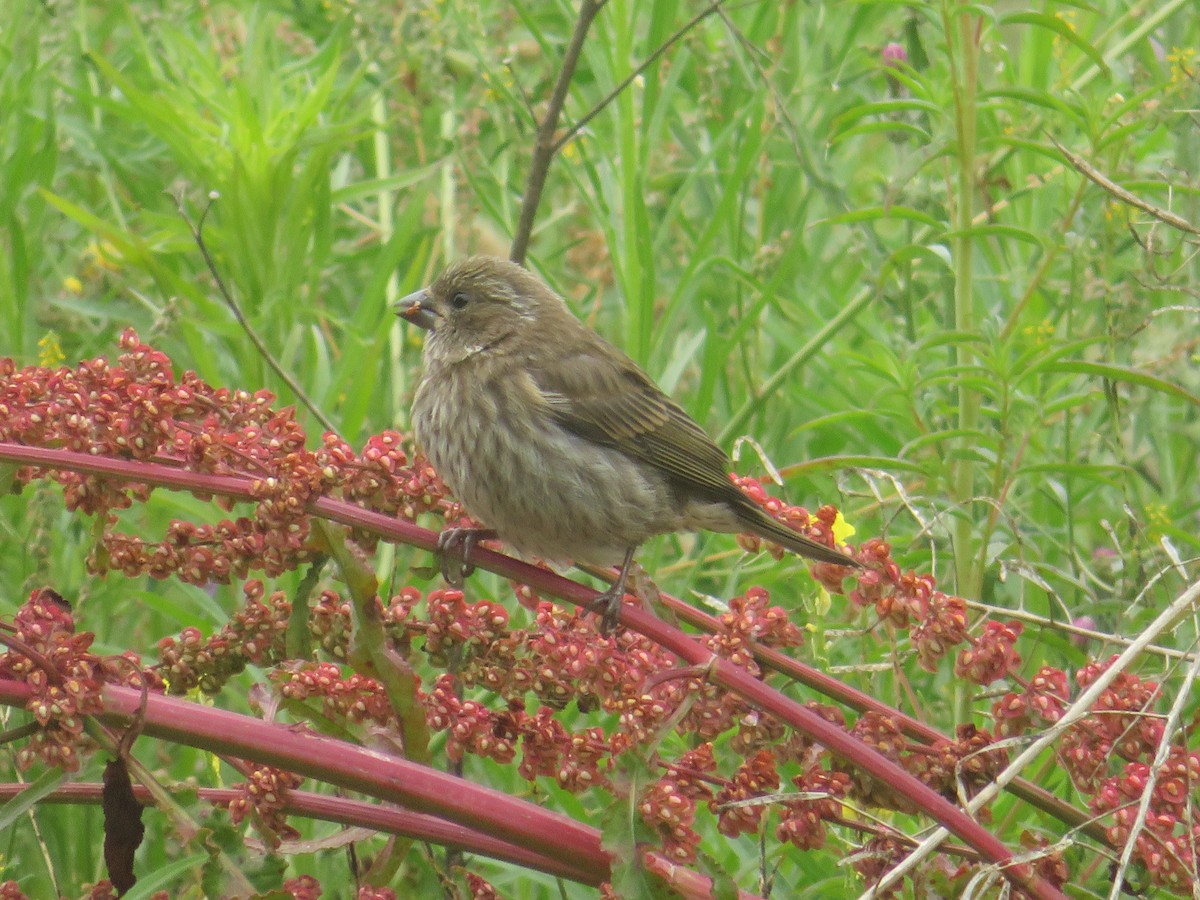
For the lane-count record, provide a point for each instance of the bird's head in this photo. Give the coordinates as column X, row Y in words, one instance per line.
column 479, row 304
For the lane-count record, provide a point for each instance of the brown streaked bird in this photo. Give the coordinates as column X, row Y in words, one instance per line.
column 556, row 440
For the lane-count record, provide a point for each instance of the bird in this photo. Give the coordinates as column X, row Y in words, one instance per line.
column 558, row 442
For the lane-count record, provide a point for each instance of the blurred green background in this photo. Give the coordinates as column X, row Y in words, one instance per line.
column 840, row 228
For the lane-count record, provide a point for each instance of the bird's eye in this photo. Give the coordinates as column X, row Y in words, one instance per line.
column 460, row 301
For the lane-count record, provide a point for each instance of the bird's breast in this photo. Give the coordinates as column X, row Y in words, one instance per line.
column 546, row 491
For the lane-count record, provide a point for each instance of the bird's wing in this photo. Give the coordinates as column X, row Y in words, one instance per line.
column 600, row 394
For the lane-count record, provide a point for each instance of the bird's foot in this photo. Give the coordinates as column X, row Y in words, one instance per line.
column 454, row 547
column 607, row 605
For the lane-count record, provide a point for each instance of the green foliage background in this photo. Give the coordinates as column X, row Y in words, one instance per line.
column 890, row 278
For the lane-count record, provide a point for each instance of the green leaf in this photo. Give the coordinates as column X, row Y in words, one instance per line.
column 1062, row 29
column 1125, row 374
column 877, row 213
column 45, row 784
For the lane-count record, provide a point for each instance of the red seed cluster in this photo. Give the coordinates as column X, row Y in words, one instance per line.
column 456, row 624
column 756, row 777
column 1042, row 702
column 137, row 409
column 882, row 733
column 305, row 887
column 804, row 820
column 819, row 527
column 261, row 798
column 1168, row 843
column 480, row 888
column 329, row 623
column 751, row 620
column 64, row 678
column 991, row 656
column 876, row 858
column 960, row 766
column 255, row 635
column 669, row 804
column 356, row 698
column 937, row 621
column 1120, row 724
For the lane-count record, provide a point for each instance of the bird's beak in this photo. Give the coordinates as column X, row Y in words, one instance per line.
column 418, row 309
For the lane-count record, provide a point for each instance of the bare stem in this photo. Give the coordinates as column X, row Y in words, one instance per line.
column 544, row 149
column 632, row 76
column 260, row 345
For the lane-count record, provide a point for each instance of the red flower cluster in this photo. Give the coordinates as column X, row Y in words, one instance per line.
column 261, row 797
column 818, row 527
column 937, row 621
column 255, row 635
column 64, row 677
column 136, row 408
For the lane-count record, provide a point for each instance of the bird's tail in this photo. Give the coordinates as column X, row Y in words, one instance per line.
column 758, row 522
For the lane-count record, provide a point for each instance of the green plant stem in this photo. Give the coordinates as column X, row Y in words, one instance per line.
column 963, row 468
column 371, row 648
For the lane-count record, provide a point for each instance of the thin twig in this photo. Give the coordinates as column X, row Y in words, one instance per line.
column 545, row 148
column 1090, row 172
column 632, row 76
column 198, row 236
column 1074, row 713
column 998, row 612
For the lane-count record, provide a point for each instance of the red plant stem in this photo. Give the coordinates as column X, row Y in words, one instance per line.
column 832, row 688
column 353, row 813
column 416, row 787
column 534, row 837
column 722, row 673
column 22, row 649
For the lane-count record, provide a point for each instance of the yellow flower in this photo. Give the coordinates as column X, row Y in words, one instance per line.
column 1041, row 332
column 99, row 258
column 50, row 350
column 842, row 529
column 73, row 285
column 1157, row 519
column 1183, row 61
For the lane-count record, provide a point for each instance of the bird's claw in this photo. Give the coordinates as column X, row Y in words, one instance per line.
column 607, row 605
column 454, row 547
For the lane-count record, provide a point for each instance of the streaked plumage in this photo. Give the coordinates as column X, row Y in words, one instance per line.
column 554, row 438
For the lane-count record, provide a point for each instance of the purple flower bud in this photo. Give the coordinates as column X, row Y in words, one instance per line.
column 894, row 55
